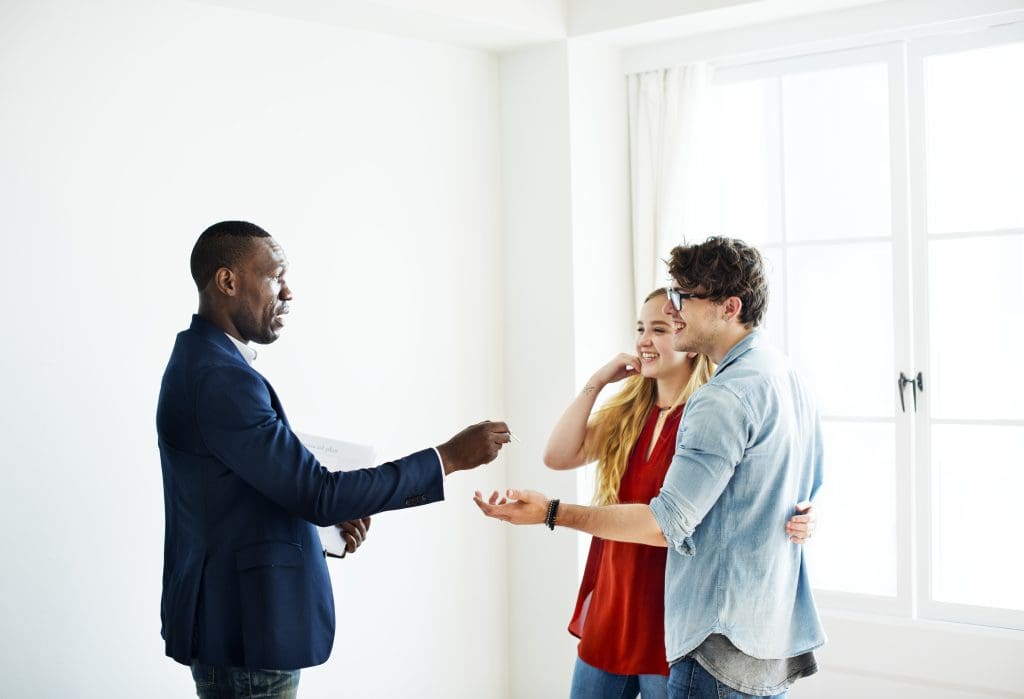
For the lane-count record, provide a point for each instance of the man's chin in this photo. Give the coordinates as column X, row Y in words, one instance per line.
column 268, row 337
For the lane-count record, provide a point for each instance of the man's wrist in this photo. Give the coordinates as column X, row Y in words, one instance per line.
column 445, row 460
column 552, row 514
column 567, row 515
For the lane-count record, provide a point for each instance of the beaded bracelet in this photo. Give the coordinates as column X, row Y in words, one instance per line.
column 549, row 521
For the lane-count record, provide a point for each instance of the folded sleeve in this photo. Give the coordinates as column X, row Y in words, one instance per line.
column 240, row 428
column 710, row 443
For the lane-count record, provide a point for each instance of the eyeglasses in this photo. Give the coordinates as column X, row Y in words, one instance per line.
column 677, row 297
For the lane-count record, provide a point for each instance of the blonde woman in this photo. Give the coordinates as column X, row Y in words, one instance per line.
column 619, row 616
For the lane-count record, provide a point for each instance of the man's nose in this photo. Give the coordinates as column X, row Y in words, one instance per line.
column 286, row 292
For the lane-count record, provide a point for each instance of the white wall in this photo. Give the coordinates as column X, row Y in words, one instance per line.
column 538, row 362
column 126, row 127
column 604, row 315
column 568, row 289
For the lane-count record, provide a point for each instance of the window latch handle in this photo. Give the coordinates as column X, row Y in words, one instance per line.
column 902, row 383
column 918, row 385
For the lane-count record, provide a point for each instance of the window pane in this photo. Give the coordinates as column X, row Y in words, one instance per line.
column 855, row 547
column 750, row 197
column 774, row 320
column 836, row 131
column 978, row 519
column 840, row 325
column 976, row 318
column 974, row 108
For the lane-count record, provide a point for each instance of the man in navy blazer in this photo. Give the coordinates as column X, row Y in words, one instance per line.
column 247, row 598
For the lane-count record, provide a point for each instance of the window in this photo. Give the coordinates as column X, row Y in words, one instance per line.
column 968, row 108
column 895, row 237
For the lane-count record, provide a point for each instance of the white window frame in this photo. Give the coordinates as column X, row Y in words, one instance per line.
column 903, row 56
column 918, row 51
column 892, row 56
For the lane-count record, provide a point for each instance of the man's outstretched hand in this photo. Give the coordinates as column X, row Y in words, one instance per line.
column 520, row 507
column 475, row 445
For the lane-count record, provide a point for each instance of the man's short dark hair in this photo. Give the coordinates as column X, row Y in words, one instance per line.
column 724, row 267
column 223, row 244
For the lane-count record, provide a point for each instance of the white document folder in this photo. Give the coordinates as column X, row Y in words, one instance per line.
column 336, row 455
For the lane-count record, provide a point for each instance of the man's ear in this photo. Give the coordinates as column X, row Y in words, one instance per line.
column 691, row 355
column 732, row 307
column 225, row 281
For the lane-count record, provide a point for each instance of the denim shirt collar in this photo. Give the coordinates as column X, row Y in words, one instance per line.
column 739, row 349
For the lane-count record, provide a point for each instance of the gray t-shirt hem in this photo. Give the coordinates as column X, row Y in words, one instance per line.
column 744, row 673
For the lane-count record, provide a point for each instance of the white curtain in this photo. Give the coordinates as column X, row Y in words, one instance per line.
column 671, row 139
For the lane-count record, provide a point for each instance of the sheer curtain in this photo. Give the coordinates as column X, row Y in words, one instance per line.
column 671, row 143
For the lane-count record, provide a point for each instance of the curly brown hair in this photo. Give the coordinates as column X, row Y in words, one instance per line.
column 723, row 267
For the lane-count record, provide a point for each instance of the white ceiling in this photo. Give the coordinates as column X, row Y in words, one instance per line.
column 506, row 24
column 636, row 22
column 487, row 24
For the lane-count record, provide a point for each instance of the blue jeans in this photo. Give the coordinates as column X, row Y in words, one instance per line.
column 590, row 683
column 220, row 682
column 687, row 679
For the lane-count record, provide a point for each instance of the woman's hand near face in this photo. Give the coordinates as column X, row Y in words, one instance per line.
column 621, row 366
column 567, row 446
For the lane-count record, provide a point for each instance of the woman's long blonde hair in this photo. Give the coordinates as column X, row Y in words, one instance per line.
column 616, row 427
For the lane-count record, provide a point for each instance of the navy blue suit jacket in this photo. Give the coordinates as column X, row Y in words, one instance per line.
column 245, row 579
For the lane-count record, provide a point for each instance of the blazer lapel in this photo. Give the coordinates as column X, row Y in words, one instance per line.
column 275, row 403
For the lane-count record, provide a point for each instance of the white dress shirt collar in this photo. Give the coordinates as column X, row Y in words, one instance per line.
column 248, row 353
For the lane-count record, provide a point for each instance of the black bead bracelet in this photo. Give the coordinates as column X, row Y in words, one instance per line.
column 549, row 521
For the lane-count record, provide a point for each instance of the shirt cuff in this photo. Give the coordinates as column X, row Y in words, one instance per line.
column 440, row 463
column 672, row 523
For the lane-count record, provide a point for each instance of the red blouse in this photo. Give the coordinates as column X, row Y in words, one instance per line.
column 620, row 611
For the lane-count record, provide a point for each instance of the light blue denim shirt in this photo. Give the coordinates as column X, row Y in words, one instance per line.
column 748, row 450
